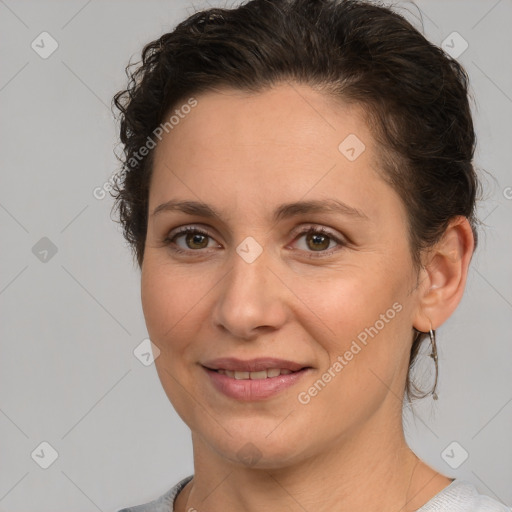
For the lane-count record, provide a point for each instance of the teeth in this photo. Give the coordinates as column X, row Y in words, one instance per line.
column 263, row 374
column 258, row 375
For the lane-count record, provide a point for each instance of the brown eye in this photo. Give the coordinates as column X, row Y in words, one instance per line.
column 317, row 241
column 196, row 240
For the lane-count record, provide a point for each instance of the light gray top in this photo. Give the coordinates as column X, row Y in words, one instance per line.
column 459, row 496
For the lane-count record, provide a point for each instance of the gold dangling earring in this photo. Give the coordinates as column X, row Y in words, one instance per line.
column 433, row 355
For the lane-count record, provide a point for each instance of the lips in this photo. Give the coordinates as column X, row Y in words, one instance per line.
column 231, row 364
column 268, row 373
column 254, row 379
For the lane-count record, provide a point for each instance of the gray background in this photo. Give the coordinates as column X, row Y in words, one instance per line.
column 68, row 375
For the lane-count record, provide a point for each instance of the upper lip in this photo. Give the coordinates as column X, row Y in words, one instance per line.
column 252, row 365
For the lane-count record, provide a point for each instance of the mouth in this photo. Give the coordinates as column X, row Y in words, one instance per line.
column 258, row 368
column 262, row 374
column 255, row 379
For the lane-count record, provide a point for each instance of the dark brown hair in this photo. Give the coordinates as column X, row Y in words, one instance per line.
column 415, row 98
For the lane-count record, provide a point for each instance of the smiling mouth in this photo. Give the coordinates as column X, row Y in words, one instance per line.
column 255, row 379
column 272, row 371
column 262, row 374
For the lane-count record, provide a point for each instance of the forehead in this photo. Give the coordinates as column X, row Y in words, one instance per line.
column 286, row 114
column 289, row 140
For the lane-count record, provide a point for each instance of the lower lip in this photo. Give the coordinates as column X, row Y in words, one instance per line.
column 257, row 389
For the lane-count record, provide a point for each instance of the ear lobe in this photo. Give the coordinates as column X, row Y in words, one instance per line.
column 445, row 275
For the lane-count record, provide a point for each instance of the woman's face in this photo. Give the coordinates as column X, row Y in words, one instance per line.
column 340, row 304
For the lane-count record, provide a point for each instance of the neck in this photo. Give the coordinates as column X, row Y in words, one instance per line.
column 366, row 471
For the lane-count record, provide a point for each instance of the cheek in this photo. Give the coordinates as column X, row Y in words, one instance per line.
column 171, row 299
column 352, row 299
column 364, row 348
column 167, row 302
column 362, row 317
column 160, row 304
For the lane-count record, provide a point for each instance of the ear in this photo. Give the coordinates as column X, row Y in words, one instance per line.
column 443, row 276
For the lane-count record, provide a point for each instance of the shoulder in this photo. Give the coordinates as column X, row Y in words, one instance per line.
column 462, row 496
column 164, row 503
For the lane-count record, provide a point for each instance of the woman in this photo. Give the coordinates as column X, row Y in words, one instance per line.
column 299, row 193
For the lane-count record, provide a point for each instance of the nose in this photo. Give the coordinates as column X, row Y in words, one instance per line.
column 251, row 299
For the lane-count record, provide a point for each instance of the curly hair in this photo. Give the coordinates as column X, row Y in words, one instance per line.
column 415, row 99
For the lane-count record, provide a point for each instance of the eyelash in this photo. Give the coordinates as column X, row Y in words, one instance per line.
column 170, row 241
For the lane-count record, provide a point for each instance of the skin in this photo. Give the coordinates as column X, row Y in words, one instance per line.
column 245, row 154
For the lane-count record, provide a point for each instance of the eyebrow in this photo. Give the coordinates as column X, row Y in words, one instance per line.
column 284, row 211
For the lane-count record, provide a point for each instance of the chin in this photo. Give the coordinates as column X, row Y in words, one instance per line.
column 258, row 450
